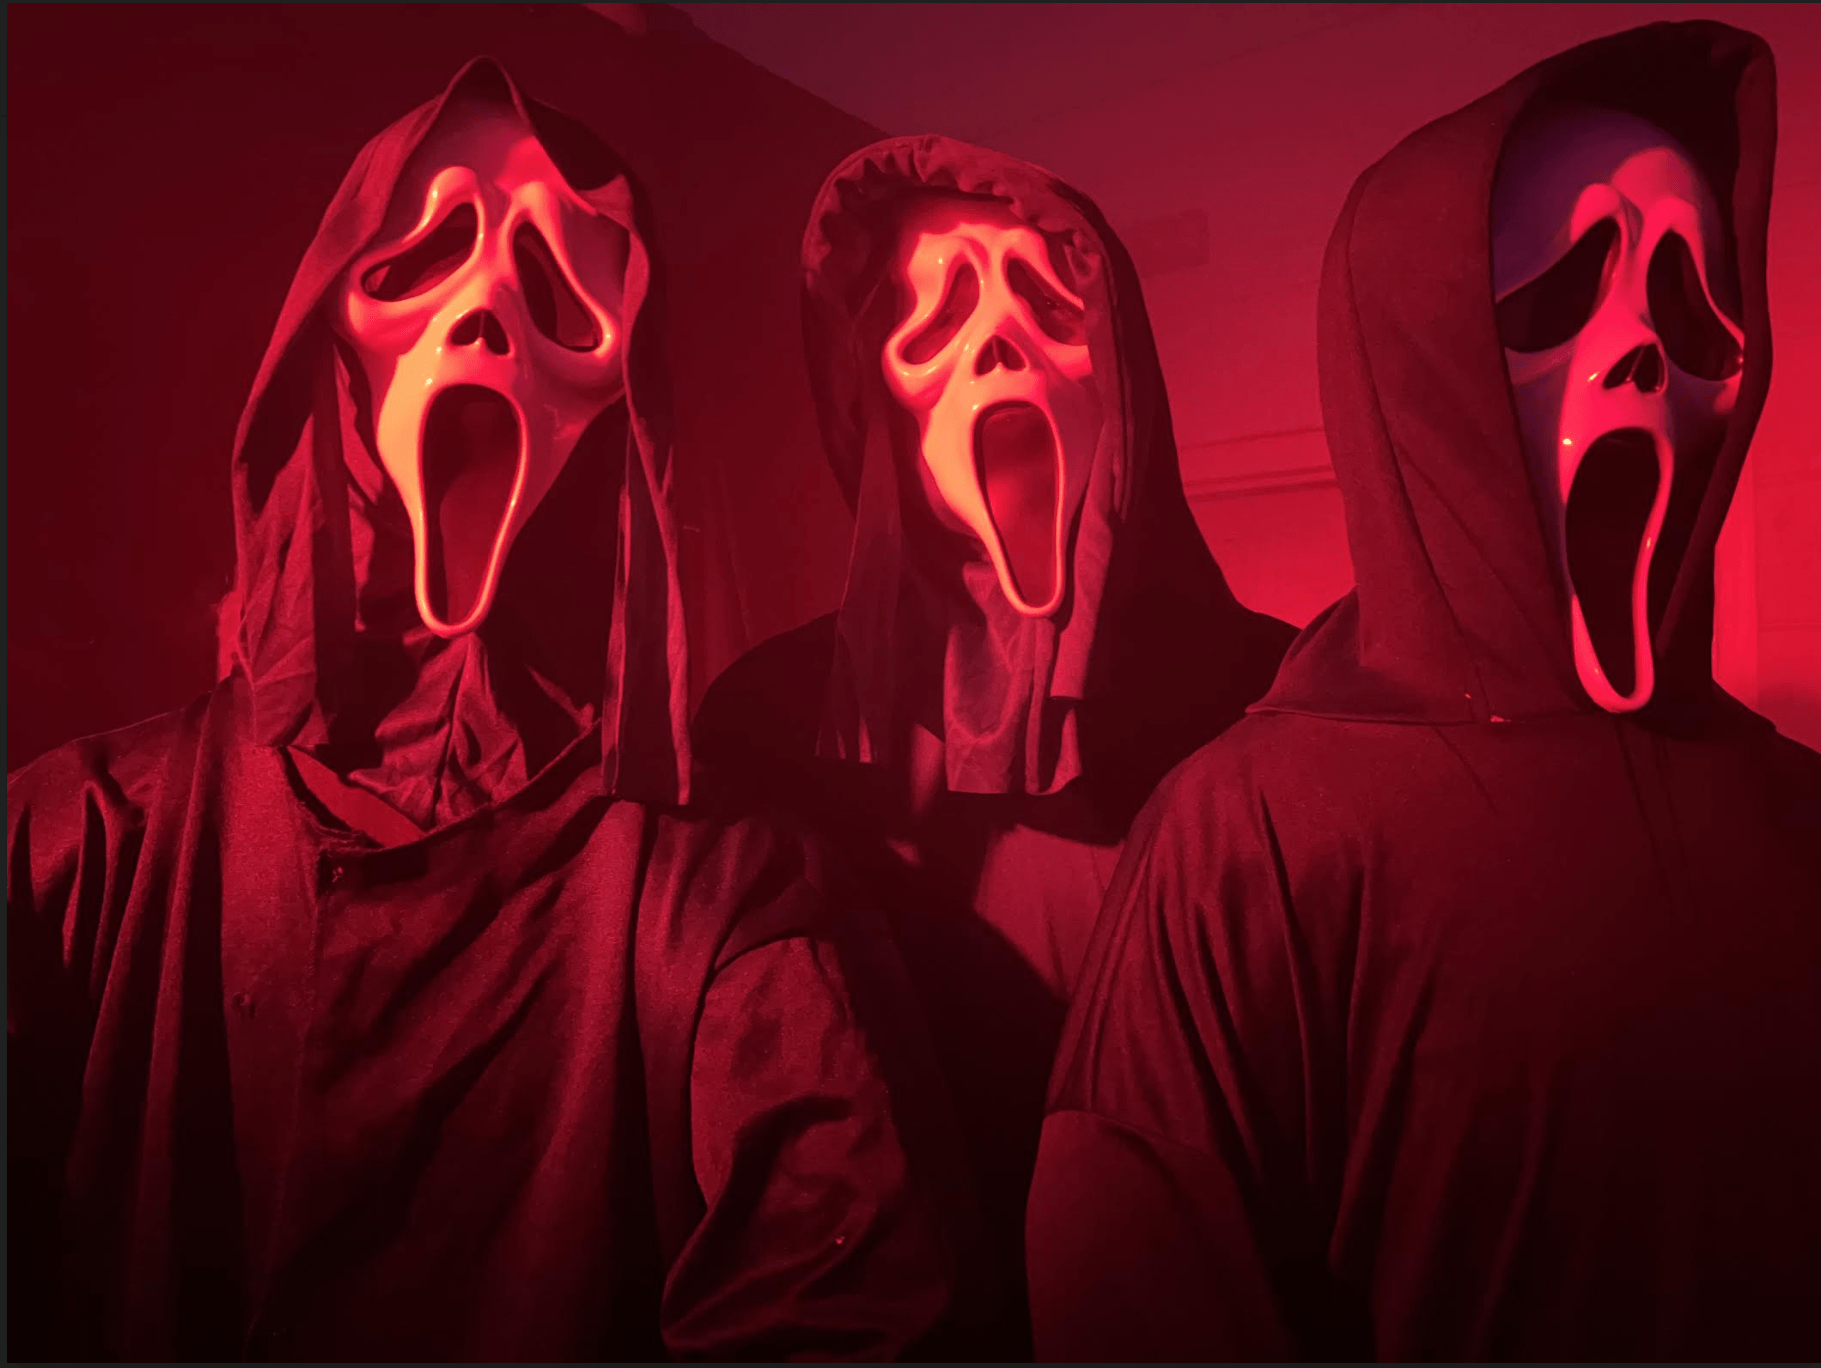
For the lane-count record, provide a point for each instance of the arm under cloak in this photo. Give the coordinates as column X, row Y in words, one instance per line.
column 1176, row 1212
column 835, row 1206
column 71, row 842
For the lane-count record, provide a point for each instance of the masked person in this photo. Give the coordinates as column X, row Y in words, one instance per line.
column 1033, row 629
column 382, row 1003
column 1465, row 1001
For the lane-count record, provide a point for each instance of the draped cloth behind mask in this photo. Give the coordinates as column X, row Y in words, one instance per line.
column 327, row 636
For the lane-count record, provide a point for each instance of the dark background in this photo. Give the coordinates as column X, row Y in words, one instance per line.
column 167, row 166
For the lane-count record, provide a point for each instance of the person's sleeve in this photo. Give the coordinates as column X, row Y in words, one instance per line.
column 819, row 1240
column 1175, row 1212
column 57, row 862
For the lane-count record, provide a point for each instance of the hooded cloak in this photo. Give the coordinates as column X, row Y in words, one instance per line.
column 1027, row 704
column 381, row 1004
column 1437, row 1013
column 978, row 765
column 336, row 661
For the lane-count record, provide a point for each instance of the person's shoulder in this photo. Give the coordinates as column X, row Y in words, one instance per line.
column 1788, row 768
column 93, row 797
column 126, row 765
column 1796, row 767
column 769, row 701
column 1784, row 778
column 1260, row 750
column 1276, row 795
column 746, row 874
column 735, row 844
column 720, row 820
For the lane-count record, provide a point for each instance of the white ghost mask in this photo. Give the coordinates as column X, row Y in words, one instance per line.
column 992, row 360
column 487, row 321
column 1607, row 248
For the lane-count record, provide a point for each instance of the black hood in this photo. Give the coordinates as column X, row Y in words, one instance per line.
column 587, row 629
column 1136, row 666
column 1457, row 615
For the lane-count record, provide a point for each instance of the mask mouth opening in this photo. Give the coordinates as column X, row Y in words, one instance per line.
column 1609, row 539
column 1019, row 465
column 472, row 450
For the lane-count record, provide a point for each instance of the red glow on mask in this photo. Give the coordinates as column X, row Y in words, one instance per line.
column 992, row 360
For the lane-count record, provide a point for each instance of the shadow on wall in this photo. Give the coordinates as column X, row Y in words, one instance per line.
column 168, row 166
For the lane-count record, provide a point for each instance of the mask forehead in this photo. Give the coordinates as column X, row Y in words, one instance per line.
column 509, row 163
column 470, row 135
column 934, row 229
column 1566, row 168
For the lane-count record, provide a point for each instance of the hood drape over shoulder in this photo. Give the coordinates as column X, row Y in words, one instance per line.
column 1148, row 625
column 1457, row 615
column 338, row 662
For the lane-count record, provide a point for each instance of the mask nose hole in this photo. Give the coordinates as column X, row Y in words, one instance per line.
column 1641, row 366
column 999, row 351
column 484, row 327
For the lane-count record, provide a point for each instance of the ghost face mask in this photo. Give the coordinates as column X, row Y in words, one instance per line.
column 487, row 320
column 991, row 358
column 1607, row 262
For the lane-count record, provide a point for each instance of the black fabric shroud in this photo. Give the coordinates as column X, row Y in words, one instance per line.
column 978, row 767
column 382, row 1004
column 1436, row 1013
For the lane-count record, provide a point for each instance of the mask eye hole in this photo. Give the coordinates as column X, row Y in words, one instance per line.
column 956, row 308
column 554, row 308
column 1557, row 304
column 428, row 263
column 1059, row 319
column 1693, row 338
